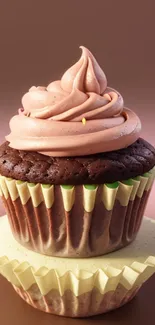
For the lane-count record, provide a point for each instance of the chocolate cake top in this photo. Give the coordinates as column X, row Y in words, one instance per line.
column 100, row 168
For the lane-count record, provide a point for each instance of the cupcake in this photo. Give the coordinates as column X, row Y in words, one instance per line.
column 75, row 176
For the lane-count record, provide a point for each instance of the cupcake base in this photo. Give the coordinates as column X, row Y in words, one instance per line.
column 77, row 287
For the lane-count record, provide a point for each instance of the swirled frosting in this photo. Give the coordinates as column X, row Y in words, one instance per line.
column 77, row 115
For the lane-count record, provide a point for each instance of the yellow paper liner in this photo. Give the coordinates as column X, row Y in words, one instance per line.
column 76, row 221
column 23, row 275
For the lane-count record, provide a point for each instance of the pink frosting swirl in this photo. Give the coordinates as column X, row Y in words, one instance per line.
column 77, row 115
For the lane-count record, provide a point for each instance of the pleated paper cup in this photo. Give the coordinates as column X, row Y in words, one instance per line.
column 76, row 221
column 77, row 287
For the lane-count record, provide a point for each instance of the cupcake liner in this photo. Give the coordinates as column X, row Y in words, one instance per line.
column 88, row 304
column 65, row 287
column 76, row 221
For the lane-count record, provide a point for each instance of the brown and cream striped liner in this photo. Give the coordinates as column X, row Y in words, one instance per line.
column 75, row 221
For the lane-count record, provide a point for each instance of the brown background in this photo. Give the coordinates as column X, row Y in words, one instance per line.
column 40, row 39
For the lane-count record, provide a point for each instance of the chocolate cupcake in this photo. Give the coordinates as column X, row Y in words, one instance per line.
column 75, row 174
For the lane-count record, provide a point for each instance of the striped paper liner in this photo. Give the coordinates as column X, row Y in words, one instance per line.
column 76, row 221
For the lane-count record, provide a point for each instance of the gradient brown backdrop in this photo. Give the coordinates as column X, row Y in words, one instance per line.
column 40, row 39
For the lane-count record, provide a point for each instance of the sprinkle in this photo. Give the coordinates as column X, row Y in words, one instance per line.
column 84, row 121
column 28, row 114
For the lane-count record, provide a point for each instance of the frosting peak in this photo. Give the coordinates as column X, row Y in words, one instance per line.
column 85, row 75
column 51, row 118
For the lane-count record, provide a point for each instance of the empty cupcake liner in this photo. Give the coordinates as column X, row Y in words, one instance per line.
column 75, row 292
column 76, row 221
column 88, row 304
